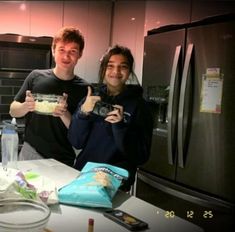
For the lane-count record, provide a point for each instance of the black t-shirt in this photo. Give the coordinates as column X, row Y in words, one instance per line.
column 48, row 134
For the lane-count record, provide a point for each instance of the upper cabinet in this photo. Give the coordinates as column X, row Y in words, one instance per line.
column 14, row 17
column 128, row 29
column 202, row 9
column 93, row 18
column 162, row 13
column 33, row 18
column 45, row 17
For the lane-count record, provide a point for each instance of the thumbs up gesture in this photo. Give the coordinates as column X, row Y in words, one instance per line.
column 90, row 102
column 29, row 101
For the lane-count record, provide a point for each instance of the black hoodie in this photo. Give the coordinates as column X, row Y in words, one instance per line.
column 125, row 144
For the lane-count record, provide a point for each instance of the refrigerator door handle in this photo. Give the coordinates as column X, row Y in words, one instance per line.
column 171, row 136
column 181, row 119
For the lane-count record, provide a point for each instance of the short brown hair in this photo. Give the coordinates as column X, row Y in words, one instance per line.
column 69, row 34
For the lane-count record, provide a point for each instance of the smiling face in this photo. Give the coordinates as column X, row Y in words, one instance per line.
column 66, row 55
column 117, row 72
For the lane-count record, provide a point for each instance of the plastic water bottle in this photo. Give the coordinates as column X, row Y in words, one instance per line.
column 9, row 145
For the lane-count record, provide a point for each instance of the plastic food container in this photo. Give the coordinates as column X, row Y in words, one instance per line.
column 23, row 215
column 46, row 103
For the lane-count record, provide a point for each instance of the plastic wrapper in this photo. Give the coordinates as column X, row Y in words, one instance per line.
column 27, row 185
column 95, row 187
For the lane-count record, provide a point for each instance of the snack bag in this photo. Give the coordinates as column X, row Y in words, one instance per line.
column 95, row 187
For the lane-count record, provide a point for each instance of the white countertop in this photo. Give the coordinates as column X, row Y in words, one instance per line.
column 66, row 218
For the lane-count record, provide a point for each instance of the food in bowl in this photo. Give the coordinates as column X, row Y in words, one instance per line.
column 46, row 103
column 23, row 215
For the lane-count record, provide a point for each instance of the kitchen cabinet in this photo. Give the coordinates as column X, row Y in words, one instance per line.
column 10, row 11
column 162, row 13
column 128, row 29
column 202, row 9
column 45, row 17
column 34, row 18
column 93, row 18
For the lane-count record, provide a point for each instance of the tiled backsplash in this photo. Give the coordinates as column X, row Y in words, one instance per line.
column 8, row 89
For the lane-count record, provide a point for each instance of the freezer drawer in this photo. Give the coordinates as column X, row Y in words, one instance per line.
column 173, row 201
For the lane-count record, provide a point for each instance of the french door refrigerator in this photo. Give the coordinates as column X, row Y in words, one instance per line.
column 189, row 80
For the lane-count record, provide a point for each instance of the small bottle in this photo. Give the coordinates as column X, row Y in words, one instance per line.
column 9, row 145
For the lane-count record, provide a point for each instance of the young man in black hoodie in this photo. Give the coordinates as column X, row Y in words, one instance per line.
column 114, row 125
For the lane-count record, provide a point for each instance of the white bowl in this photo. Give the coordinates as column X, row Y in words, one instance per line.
column 23, row 215
column 46, row 103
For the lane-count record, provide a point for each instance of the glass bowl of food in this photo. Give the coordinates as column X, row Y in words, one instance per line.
column 46, row 103
column 23, row 215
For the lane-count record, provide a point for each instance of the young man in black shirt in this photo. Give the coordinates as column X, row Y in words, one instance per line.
column 46, row 135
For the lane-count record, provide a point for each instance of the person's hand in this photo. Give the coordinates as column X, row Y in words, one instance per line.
column 90, row 102
column 61, row 108
column 116, row 115
column 29, row 101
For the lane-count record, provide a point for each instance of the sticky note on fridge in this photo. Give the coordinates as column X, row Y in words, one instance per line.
column 211, row 93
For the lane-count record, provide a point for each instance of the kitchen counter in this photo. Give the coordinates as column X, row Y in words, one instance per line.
column 73, row 218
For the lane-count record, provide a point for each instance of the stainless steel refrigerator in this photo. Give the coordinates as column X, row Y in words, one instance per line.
column 189, row 81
